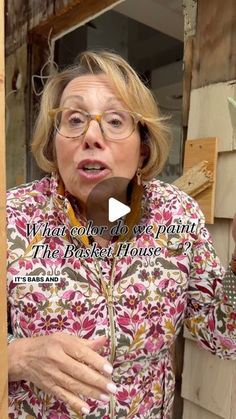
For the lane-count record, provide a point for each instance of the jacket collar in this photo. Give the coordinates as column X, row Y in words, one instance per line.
column 69, row 208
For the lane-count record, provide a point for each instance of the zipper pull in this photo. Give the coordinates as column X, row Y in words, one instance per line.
column 109, row 295
column 110, row 300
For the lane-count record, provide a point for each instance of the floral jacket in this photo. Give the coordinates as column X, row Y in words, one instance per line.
column 152, row 296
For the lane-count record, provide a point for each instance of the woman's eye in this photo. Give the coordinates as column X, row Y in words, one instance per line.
column 76, row 119
column 116, row 122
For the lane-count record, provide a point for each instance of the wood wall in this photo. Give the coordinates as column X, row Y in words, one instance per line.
column 208, row 385
column 27, row 28
column 210, row 71
column 30, row 27
column 3, row 305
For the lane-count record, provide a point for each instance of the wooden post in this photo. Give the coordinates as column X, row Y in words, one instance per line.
column 3, row 305
column 209, row 383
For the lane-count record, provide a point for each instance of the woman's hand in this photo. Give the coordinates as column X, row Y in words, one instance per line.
column 63, row 365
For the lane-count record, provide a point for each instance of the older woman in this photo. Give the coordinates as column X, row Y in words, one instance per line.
column 93, row 335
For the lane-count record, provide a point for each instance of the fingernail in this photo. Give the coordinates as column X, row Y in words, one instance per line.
column 85, row 410
column 108, row 368
column 104, row 397
column 112, row 388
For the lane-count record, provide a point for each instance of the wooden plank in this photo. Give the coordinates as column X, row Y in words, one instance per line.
column 59, row 15
column 16, row 116
column 225, row 199
column 195, row 152
column 220, row 232
column 71, row 16
column 61, row 3
column 208, row 385
column 192, row 411
column 231, row 242
column 210, row 114
column 40, row 10
column 233, row 395
column 15, row 24
column 178, row 359
column 3, row 305
column 20, row 16
column 187, row 334
column 187, row 78
column 207, row 380
column 215, row 46
column 195, row 180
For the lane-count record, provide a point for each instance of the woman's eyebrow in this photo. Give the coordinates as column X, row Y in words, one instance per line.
column 113, row 99
column 77, row 97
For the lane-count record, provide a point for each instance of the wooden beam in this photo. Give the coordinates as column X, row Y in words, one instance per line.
column 187, row 78
column 195, row 180
column 211, row 113
column 215, row 45
column 3, row 304
column 225, row 200
column 69, row 17
column 203, row 378
column 195, row 152
column 193, row 411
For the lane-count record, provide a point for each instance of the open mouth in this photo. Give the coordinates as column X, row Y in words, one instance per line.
column 93, row 168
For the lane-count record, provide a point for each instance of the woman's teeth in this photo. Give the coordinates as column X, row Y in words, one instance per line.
column 93, row 167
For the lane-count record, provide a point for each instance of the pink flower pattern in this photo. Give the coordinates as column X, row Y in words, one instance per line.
column 153, row 297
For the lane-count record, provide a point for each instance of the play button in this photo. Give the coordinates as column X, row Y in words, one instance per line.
column 116, row 209
column 108, row 202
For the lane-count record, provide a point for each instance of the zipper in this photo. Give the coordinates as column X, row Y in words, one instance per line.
column 108, row 292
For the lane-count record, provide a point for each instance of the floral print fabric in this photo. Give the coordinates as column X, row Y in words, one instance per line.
column 152, row 298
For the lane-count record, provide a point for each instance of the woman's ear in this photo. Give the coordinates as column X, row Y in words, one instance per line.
column 144, row 154
column 144, row 146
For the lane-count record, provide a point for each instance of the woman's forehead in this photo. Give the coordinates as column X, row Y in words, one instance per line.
column 86, row 85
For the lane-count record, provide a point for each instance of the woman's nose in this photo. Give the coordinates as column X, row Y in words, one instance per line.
column 93, row 136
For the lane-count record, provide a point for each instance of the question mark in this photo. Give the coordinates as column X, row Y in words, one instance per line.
column 187, row 245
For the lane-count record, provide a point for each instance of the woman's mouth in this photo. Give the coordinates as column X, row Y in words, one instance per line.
column 93, row 170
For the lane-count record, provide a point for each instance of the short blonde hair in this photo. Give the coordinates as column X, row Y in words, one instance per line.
column 129, row 88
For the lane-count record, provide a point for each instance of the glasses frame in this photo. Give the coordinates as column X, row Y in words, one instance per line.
column 136, row 117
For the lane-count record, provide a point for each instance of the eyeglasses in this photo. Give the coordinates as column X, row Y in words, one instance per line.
column 115, row 125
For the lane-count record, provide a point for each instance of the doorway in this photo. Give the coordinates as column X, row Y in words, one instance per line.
column 156, row 56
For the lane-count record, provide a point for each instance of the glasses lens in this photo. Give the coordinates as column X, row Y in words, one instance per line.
column 117, row 125
column 71, row 122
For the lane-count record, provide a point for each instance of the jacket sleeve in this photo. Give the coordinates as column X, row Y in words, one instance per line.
column 209, row 316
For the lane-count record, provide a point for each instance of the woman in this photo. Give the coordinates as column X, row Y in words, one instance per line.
column 97, row 343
